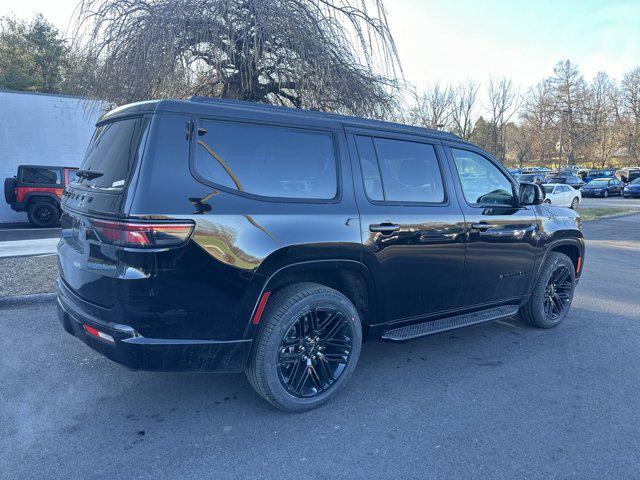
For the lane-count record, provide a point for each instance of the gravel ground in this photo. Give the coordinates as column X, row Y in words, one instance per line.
column 27, row 275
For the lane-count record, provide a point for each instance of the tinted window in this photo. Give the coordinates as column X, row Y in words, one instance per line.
column 482, row 182
column 32, row 175
column 370, row 170
column 112, row 153
column 548, row 189
column 267, row 161
column 400, row 171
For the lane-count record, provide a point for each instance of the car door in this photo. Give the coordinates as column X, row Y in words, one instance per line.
column 502, row 239
column 615, row 187
column 563, row 193
column 413, row 230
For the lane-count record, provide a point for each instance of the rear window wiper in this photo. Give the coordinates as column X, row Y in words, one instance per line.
column 88, row 174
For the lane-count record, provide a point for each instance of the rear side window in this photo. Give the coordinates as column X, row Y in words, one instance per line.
column 112, row 153
column 400, row 170
column 267, row 161
column 35, row 176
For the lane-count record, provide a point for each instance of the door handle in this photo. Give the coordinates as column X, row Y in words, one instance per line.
column 483, row 226
column 384, row 228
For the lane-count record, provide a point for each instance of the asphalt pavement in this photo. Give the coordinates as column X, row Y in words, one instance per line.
column 498, row 401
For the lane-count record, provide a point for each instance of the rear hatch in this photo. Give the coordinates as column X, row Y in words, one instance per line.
column 96, row 198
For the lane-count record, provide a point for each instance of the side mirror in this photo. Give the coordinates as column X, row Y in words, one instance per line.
column 531, row 194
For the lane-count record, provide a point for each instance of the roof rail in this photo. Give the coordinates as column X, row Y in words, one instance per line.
column 334, row 116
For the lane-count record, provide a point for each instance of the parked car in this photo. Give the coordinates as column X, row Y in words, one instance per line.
column 36, row 189
column 562, row 195
column 602, row 187
column 601, row 173
column 628, row 174
column 632, row 189
column 571, row 180
column 539, row 170
column 238, row 237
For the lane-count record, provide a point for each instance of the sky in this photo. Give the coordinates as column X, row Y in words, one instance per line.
column 453, row 40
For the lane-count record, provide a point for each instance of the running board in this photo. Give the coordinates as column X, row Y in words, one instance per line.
column 442, row 325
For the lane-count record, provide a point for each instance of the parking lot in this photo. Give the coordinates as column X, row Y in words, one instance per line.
column 494, row 401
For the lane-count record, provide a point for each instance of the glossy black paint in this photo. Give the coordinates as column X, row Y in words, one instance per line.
column 205, row 293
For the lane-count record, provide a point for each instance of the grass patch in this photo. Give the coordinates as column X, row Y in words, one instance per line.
column 602, row 212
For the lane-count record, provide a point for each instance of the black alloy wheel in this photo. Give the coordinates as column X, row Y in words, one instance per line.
column 315, row 351
column 43, row 214
column 552, row 295
column 307, row 347
column 558, row 293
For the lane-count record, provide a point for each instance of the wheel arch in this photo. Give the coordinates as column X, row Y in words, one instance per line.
column 42, row 196
column 350, row 277
column 572, row 248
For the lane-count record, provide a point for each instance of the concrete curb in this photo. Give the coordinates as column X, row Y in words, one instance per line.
column 615, row 215
column 17, row 300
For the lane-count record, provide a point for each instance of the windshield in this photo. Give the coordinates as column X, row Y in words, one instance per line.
column 597, row 183
column 636, row 182
column 111, row 154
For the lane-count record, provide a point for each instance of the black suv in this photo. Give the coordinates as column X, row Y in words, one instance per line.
column 223, row 236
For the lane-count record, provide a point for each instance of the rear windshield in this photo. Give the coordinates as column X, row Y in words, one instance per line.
column 111, row 153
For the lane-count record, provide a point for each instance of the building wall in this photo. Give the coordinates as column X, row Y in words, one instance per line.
column 42, row 129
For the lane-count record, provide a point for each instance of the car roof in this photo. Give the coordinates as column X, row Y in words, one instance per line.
column 197, row 105
column 554, row 184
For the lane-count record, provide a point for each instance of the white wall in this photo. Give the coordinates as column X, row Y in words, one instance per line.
column 42, row 130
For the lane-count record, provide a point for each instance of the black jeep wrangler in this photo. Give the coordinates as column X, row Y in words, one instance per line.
column 222, row 236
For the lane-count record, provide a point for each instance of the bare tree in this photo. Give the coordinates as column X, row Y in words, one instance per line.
column 503, row 104
column 601, row 118
column 571, row 95
column 630, row 113
column 433, row 108
column 521, row 140
column 463, row 108
column 537, row 114
column 332, row 55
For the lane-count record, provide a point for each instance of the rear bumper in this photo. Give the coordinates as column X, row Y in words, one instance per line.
column 134, row 351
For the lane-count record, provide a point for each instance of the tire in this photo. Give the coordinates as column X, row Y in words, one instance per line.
column 547, row 201
column 605, row 194
column 534, row 312
column 43, row 214
column 575, row 203
column 9, row 192
column 282, row 320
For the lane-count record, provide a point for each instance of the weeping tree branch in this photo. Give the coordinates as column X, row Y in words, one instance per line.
column 331, row 55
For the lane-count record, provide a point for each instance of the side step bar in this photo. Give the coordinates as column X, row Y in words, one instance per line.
column 436, row 326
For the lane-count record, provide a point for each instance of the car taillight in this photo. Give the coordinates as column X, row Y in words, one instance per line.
column 142, row 235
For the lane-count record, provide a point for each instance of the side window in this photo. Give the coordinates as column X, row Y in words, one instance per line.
column 277, row 162
column 482, row 182
column 370, row 169
column 32, row 175
column 400, row 171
